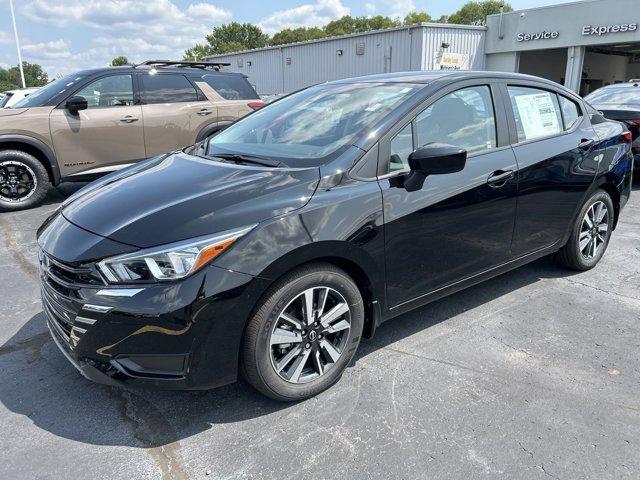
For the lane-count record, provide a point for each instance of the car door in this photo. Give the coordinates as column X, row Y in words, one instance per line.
column 173, row 112
column 105, row 136
column 556, row 149
column 458, row 224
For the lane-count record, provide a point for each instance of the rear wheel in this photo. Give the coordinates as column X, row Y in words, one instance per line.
column 304, row 333
column 24, row 181
column 591, row 233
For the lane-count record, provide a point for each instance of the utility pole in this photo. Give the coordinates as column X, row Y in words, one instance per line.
column 15, row 32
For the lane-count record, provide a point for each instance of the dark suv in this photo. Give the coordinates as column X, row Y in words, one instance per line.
column 274, row 247
column 101, row 120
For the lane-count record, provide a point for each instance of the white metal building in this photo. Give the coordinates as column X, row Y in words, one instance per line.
column 286, row 68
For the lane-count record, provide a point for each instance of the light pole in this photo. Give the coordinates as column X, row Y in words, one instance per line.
column 15, row 32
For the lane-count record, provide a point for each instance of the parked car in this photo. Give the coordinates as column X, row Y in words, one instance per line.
column 274, row 247
column 11, row 97
column 101, row 120
column 621, row 102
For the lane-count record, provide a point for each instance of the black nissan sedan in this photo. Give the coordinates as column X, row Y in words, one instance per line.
column 275, row 246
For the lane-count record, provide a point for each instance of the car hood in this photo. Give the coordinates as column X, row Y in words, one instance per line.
column 180, row 196
column 9, row 112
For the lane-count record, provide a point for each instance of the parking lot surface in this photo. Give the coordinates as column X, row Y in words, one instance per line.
column 534, row 374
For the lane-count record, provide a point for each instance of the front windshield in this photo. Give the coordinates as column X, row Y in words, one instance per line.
column 49, row 93
column 312, row 124
column 617, row 96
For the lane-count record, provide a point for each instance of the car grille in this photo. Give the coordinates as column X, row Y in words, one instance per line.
column 61, row 297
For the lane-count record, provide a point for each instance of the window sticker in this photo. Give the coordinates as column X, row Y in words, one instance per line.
column 537, row 114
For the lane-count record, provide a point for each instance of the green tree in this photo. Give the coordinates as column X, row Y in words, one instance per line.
column 475, row 13
column 197, row 52
column 349, row 24
column 34, row 76
column 293, row 35
column 228, row 38
column 414, row 18
column 120, row 61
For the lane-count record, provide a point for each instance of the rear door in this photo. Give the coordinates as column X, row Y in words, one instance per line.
column 556, row 149
column 458, row 224
column 230, row 93
column 108, row 134
column 172, row 110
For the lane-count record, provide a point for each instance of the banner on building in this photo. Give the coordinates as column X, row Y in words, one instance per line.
column 450, row 61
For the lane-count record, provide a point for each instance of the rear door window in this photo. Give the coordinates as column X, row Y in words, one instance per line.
column 536, row 112
column 231, row 87
column 167, row 88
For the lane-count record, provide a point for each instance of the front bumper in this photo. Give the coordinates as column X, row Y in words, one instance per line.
column 179, row 335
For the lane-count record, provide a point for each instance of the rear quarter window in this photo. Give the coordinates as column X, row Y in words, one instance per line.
column 231, row 87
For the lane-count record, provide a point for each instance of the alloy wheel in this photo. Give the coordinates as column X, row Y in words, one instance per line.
column 310, row 334
column 594, row 230
column 17, row 181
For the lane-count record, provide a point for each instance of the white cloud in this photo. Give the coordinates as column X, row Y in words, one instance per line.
column 55, row 49
column 5, row 38
column 308, row 15
column 139, row 29
column 391, row 8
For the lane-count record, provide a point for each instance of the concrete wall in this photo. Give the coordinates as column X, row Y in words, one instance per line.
column 503, row 62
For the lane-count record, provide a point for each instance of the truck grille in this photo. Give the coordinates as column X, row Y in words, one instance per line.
column 61, row 296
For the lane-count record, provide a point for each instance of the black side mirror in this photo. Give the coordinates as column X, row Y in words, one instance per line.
column 75, row 104
column 433, row 159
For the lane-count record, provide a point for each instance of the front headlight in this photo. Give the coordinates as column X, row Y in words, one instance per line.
column 169, row 262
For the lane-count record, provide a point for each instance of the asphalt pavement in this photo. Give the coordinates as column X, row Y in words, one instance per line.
column 534, row 374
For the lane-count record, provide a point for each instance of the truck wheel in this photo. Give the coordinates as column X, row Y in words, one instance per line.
column 24, row 181
column 304, row 333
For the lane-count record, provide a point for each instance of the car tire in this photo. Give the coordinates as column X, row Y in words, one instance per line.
column 274, row 368
column 24, row 181
column 581, row 253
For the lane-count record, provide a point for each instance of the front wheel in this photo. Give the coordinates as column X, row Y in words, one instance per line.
column 591, row 233
column 304, row 333
column 24, row 181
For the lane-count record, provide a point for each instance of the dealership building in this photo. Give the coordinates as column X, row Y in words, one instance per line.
column 583, row 45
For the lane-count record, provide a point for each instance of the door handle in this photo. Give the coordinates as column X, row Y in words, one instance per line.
column 128, row 119
column 499, row 178
column 586, row 143
column 204, row 112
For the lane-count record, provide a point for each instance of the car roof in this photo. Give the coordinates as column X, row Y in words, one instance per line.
column 159, row 69
column 429, row 76
column 620, row 86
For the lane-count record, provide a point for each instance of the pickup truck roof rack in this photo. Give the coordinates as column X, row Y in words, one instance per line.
column 183, row 64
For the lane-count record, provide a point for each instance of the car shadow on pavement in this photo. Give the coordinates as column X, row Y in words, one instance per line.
column 37, row 381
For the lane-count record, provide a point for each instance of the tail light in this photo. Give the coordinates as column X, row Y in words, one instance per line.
column 627, row 137
column 256, row 105
column 634, row 122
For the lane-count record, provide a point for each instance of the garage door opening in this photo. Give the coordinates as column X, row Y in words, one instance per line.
column 609, row 64
column 550, row 64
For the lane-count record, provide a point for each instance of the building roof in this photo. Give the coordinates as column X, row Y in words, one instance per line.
column 350, row 35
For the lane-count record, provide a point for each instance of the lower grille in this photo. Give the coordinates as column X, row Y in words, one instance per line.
column 61, row 299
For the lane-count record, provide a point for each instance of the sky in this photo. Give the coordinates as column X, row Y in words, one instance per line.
column 68, row 35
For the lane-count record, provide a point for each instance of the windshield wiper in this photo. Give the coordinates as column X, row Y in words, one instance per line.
column 242, row 158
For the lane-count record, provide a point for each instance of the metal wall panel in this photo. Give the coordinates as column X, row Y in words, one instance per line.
column 291, row 67
column 460, row 40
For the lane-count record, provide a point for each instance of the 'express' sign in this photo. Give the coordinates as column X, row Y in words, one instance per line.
column 603, row 30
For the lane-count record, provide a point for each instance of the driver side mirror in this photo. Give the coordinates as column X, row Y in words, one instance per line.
column 75, row 104
column 433, row 159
